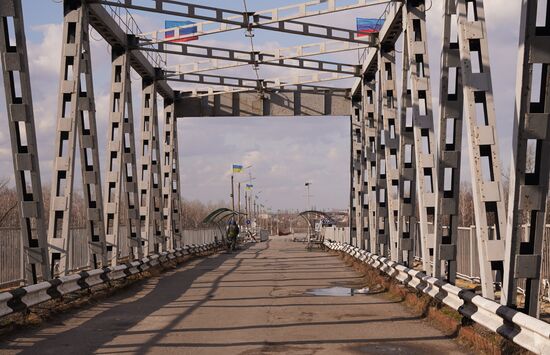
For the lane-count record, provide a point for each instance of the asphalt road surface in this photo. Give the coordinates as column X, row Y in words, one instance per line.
column 250, row 302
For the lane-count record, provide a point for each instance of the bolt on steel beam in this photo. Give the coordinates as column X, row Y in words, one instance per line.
column 423, row 125
column 479, row 114
column 150, row 189
column 121, row 176
column 170, row 178
column 449, row 152
column 530, row 166
column 24, row 148
column 75, row 113
column 386, row 68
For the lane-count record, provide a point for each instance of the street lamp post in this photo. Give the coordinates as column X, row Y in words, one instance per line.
column 308, row 184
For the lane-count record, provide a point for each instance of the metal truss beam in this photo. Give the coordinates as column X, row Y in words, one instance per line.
column 407, row 165
column 423, row 124
column 480, row 118
column 386, row 65
column 267, row 84
column 170, row 178
column 75, row 112
column 357, row 171
column 381, row 187
column 221, row 20
column 291, row 57
column 150, row 189
column 24, row 148
column 371, row 139
column 306, row 101
column 121, row 177
column 530, row 165
column 449, row 152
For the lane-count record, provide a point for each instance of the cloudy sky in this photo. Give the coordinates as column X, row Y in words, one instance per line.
column 284, row 152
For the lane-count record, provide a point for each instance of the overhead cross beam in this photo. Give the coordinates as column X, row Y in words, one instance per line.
column 234, row 84
column 222, row 58
column 221, row 20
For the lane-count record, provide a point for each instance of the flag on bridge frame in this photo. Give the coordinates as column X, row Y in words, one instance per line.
column 366, row 26
column 186, row 31
column 249, row 186
column 237, row 168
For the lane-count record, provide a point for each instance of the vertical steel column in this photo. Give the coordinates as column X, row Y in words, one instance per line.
column 407, row 189
column 121, row 168
column 357, row 170
column 351, row 214
column 171, row 180
column 426, row 180
column 450, row 145
column 75, row 110
column 150, row 185
column 381, row 223
column 371, row 154
column 530, row 165
column 89, row 154
column 386, row 68
column 479, row 115
column 371, row 132
column 17, row 89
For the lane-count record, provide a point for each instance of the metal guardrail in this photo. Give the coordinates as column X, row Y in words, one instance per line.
column 22, row 298
column 467, row 253
column 11, row 270
column 522, row 329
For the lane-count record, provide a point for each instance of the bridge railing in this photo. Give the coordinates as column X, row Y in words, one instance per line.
column 524, row 330
column 11, row 257
column 467, row 252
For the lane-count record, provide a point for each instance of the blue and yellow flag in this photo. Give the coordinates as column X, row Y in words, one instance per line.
column 237, row 168
column 249, row 186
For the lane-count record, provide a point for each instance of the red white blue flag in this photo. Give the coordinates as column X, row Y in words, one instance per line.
column 366, row 26
column 186, row 31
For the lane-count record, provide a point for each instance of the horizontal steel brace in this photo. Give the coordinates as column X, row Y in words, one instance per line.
column 233, row 58
column 262, row 85
column 238, row 20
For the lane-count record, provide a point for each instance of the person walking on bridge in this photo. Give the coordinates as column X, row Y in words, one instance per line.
column 232, row 234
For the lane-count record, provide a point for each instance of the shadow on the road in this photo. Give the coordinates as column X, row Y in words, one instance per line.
column 120, row 317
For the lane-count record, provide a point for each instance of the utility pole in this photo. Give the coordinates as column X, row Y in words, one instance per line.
column 239, row 201
column 308, row 184
column 232, row 193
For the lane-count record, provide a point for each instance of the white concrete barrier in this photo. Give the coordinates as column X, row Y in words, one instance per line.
column 529, row 332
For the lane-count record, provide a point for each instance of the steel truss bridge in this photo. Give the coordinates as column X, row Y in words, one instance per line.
column 403, row 172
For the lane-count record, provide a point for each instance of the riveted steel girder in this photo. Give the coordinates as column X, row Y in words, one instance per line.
column 150, row 188
column 390, row 122
column 120, row 186
column 75, row 113
column 480, row 117
column 171, row 178
column 449, row 152
column 423, row 125
column 24, row 148
column 530, row 166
